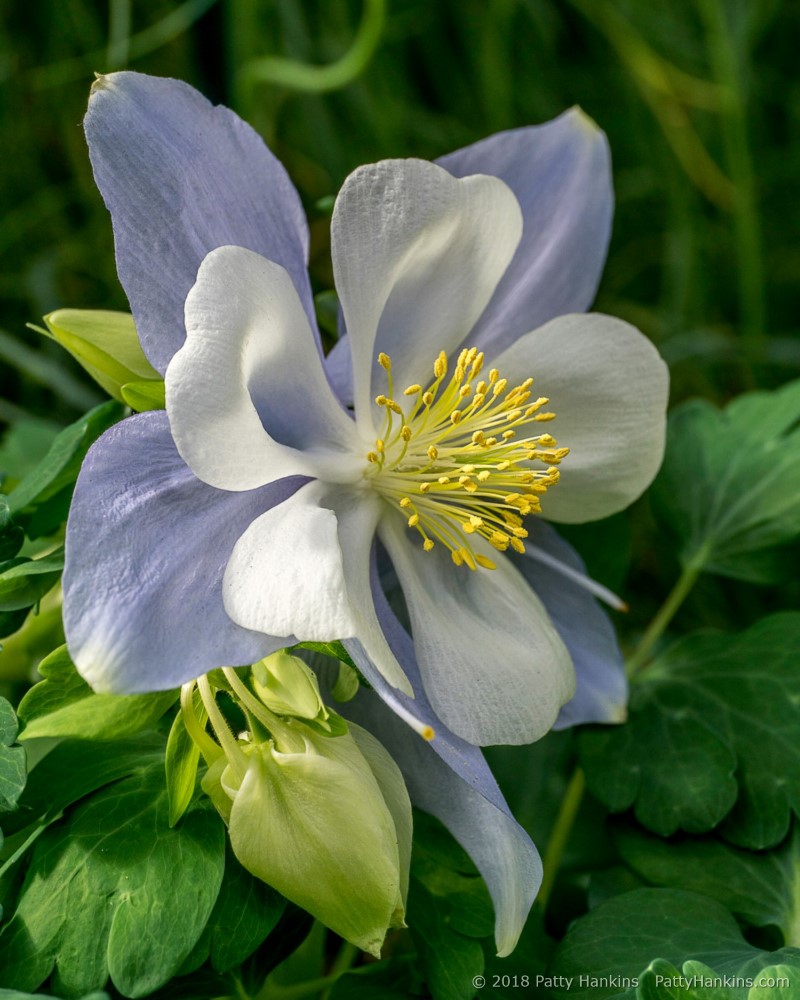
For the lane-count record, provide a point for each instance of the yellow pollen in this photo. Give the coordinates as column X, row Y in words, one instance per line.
column 470, row 455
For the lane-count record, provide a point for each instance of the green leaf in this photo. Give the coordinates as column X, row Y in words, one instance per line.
column 761, row 887
column 76, row 769
column 12, row 760
column 450, row 961
column 105, row 343
column 395, row 979
column 114, row 891
column 60, row 466
column 181, row 762
column 16, row 995
column 696, row 981
column 11, row 535
column 729, row 487
column 245, row 913
column 145, row 395
column 776, row 982
column 24, row 582
column 605, row 953
column 334, row 649
column 63, row 704
column 714, row 721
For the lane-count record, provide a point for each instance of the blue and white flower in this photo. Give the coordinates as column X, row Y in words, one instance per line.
column 249, row 515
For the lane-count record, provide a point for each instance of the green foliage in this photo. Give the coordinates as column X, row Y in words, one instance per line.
column 729, row 488
column 12, row 759
column 181, row 762
column 16, row 995
column 113, row 890
column 449, row 913
column 23, row 582
column 63, row 704
column 40, row 502
column 759, row 887
column 686, row 760
column 614, row 943
column 396, row 979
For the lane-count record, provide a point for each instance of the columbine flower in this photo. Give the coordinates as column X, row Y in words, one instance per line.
column 245, row 517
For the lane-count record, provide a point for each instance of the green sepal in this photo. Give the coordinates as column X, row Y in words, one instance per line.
column 105, row 343
column 181, row 762
column 144, row 395
column 63, row 704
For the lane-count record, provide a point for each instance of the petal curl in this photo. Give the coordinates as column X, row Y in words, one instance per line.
column 417, row 255
column 608, row 387
column 181, row 177
column 601, row 687
column 147, row 544
column 247, row 398
column 450, row 779
column 561, row 175
column 492, row 664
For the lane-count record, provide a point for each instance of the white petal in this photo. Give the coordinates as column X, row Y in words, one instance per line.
column 285, row 576
column 247, row 398
column 608, row 387
column 491, row 661
column 417, row 255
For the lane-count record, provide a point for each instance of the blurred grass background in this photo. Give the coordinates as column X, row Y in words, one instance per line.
column 700, row 100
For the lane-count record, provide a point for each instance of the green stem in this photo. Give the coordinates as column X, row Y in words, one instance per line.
column 559, row 838
column 665, row 614
column 728, row 72
column 236, row 758
column 38, row 831
column 319, row 79
column 348, row 953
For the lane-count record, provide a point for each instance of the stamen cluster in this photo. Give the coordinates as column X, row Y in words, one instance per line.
column 452, row 461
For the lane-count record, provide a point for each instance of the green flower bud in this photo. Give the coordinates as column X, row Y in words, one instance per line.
column 288, row 687
column 327, row 827
column 107, row 346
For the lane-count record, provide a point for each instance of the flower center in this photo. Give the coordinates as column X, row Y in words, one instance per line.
column 455, row 459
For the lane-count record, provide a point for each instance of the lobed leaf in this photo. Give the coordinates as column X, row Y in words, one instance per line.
column 729, row 488
column 713, row 734
column 13, row 759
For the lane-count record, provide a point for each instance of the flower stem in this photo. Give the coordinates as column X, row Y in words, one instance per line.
column 559, row 838
column 665, row 614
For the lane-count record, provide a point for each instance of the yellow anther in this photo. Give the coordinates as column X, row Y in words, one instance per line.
column 469, row 469
column 483, row 561
column 380, row 444
column 547, row 441
column 502, row 466
column 424, row 487
column 405, row 432
column 467, row 528
column 500, row 386
column 427, row 398
column 394, row 407
column 544, row 416
column 455, row 555
column 405, row 502
column 433, row 452
column 478, row 437
column 455, row 417
column 468, row 558
column 475, row 521
column 440, row 365
column 517, row 545
column 483, row 476
column 494, row 375
column 508, row 435
column 413, row 521
column 465, row 390
column 427, row 545
column 385, row 361
column 381, row 400
column 372, row 457
column 444, row 480
column 412, row 390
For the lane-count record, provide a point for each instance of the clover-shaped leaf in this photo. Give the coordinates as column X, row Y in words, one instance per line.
column 729, row 488
column 12, row 759
column 606, row 954
column 713, row 732
column 758, row 886
column 114, row 891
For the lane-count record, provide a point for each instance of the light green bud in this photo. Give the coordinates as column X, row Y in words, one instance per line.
column 106, row 344
column 327, row 825
column 288, row 687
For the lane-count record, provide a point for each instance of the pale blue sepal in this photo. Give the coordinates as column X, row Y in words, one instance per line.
column 561, row 175
column 181, row 177
column 450, row 779
column 147, row 545
column 602, row 689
